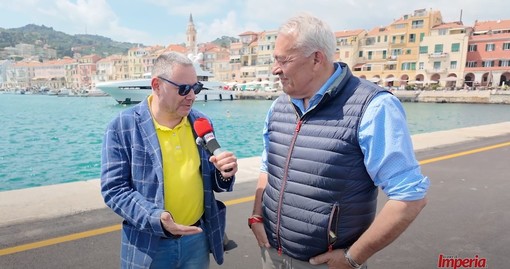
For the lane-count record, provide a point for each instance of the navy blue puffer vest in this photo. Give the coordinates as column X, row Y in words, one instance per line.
column 319, row 194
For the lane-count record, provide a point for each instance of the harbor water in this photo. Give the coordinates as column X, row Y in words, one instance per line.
column 48, row 140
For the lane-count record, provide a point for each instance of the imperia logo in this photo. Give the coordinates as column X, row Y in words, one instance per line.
column 450, row 261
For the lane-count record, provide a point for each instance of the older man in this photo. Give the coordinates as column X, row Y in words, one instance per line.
column 329, row 143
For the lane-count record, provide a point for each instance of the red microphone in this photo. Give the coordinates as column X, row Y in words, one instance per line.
column 206, row 137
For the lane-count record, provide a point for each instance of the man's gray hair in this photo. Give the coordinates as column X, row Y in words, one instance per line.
column 312, row 34
column 166, row 61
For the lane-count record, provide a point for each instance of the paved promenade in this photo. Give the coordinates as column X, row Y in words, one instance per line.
column 71, row 198
column 465, row 217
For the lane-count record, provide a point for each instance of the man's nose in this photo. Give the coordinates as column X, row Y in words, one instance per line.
column 276, row 69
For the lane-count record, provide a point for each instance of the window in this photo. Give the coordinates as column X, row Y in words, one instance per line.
column 421, row 65
column 453, row 65
column 370, row 55
column 369, row 41
column 472, row 47
column 437, row 65
column 455, row 47
column 379, row 39
column 506, row 46
column 504, row 63
column 393, row 39
column 385, row 38
column 408, row 66
column 384, row 54
column 471, row 64
column 412, row 38
column 395, row 52
column 422, row 35
column 489, row 47
column 417, row 24
column 343, row 41
column 438, row 48
column 443, row 31
column 424, row 49
column 360, row 54
column 487, row 63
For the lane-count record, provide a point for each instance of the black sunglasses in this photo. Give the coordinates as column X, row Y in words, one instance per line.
column 184, row 89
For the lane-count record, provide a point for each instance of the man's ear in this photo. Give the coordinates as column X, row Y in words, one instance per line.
column 155, row 84
column 318, row 57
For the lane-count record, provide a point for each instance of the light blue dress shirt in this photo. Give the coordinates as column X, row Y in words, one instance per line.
column 385, row 142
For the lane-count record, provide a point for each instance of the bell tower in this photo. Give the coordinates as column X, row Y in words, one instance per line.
column 191, row 36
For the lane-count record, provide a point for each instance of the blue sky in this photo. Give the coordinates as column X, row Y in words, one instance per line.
column 164, row 22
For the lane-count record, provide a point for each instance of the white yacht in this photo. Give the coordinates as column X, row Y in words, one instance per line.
column 135, row 91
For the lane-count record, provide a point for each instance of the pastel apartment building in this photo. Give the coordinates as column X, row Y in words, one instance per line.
column 418, row 49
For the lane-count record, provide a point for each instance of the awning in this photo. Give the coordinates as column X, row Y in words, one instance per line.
column 451, row 79
column 390, row 79
column 375, row 79
column 358, row 66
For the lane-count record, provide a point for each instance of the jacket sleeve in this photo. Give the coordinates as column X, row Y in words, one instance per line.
column 118, row 189
column 222, row 184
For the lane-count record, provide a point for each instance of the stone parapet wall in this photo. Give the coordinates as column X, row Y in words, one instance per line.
column 462, row 96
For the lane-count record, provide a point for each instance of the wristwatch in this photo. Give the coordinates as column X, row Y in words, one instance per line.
column 255, row 219
column 350, row 260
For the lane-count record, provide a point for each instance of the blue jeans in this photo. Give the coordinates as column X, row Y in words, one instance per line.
column 187, row 252
column 271, row 260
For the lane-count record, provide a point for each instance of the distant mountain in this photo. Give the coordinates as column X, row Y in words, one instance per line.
column 225, row 41
column 65, row 44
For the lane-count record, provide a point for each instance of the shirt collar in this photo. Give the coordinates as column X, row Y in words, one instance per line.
column 184, row 121
column 320, row 93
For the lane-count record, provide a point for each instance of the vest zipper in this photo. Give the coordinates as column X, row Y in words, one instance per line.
column 284, row 181
column 332, row 226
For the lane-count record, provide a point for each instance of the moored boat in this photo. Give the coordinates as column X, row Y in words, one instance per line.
column 136, row 90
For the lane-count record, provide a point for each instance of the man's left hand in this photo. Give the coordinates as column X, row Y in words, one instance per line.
column 224, row 162
column 334, row 259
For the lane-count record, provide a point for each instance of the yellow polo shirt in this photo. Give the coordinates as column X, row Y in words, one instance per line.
column 183, row 186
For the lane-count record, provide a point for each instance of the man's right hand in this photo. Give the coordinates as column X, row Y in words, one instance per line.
column 177, row 229
column 260, row 233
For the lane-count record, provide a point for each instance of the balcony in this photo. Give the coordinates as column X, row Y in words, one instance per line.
column 436, row 70
column 436, row 55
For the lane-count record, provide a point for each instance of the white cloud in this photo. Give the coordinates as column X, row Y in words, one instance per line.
column 226, row 26
column 97, row 17
column 196, row 7
column 164, row 22
column 352, row 14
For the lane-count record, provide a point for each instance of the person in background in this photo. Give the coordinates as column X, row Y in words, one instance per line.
column 159, row 181
column 330, row 142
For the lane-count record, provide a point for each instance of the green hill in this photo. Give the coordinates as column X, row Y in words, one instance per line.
column 65, row 44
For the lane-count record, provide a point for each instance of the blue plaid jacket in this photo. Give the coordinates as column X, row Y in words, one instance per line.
column 132, row 186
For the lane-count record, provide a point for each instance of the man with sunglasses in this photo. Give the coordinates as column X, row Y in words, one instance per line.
column 155, row 176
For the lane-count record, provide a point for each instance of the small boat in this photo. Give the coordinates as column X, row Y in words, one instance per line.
column 136, row 90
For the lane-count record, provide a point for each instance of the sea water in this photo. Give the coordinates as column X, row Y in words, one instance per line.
column 49, row 140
